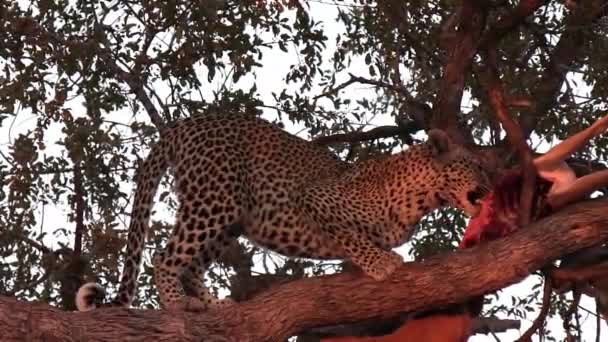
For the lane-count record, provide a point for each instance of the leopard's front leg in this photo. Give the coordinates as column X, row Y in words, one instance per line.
column 376, row 262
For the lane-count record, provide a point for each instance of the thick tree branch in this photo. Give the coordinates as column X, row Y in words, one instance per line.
column 300, row 305
column 461, row 36
column 579, row 274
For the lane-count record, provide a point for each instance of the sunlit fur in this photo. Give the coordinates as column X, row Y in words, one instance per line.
column 240, row 175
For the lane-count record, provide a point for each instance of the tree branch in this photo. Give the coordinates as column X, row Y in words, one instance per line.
column 375, row 133
column 493, row 86
column 134, row 82
column 18, row 236
column 579, row 274
column 417, row 110
column 357, row 79
column 461, row 35
column 544, row 309
column 487, row 325
column 494, row 89
column 480, row 325
column 333, row 299
column 567, row 316
column 78, row 208
column 507, row 23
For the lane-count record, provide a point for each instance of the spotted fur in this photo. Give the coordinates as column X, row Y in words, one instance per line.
column 240, row 175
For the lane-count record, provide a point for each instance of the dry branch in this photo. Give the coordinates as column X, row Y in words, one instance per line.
column 287, row 309
column 358, row 79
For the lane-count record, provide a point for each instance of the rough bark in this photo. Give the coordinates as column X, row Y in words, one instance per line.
column 287, row 309
column 461, row 36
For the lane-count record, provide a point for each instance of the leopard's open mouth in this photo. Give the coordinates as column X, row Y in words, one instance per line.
column 474, row 197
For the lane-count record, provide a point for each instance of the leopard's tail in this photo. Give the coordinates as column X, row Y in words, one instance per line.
column 90, row 295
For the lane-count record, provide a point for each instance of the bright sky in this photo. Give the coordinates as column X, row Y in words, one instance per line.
column 270, row 79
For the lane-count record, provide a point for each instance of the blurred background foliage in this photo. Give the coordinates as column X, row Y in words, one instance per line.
column 85, row 87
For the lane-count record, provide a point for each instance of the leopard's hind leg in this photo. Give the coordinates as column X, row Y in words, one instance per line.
column 197, row 241
column 210, row 206
column 193, row 278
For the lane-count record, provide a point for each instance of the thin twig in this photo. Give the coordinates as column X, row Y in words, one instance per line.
column 598, row 321
column 79, row 209
column 357, row 79
column 540, row 319
column 567, row 317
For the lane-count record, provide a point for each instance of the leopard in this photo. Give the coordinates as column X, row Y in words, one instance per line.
column 239, row 175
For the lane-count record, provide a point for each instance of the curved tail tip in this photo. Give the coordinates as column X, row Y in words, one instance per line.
column 88, row 296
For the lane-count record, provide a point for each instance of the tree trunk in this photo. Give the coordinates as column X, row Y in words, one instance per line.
column 288, row 309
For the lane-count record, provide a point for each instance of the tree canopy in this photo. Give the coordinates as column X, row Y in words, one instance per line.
column 86, row 87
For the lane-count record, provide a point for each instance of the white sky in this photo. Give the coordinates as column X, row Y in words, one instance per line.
column 270, row 79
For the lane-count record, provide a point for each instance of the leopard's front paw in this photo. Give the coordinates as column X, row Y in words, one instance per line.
column 384, row 265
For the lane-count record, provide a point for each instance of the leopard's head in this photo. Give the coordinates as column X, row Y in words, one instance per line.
column 461, row 181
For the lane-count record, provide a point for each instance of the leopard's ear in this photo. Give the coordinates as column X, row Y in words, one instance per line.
column 440, row 142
